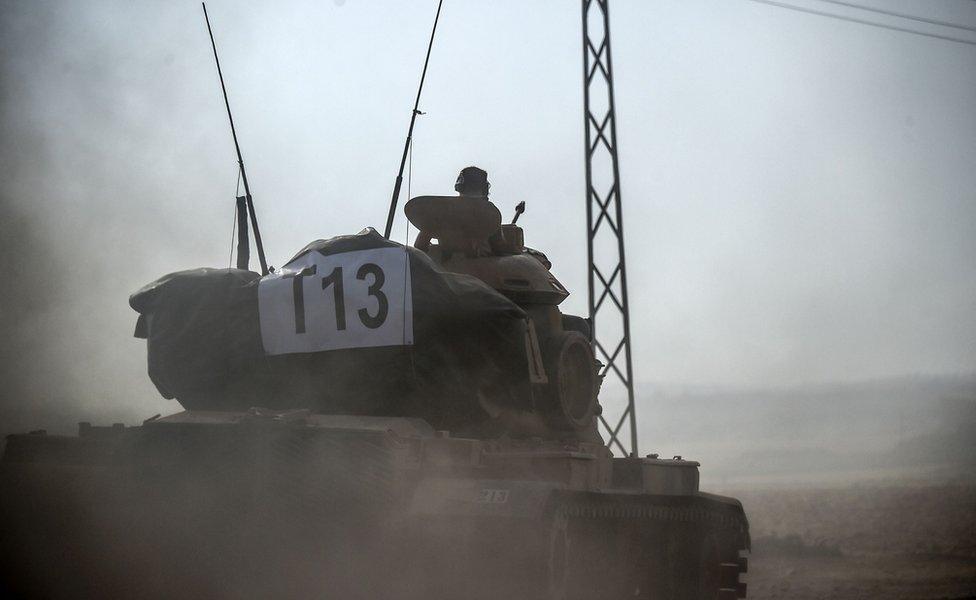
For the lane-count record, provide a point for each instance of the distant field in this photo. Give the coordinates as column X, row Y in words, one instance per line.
column 894, row 542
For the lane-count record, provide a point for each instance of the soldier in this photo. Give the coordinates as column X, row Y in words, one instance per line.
column 472, row 181
column 472, row 184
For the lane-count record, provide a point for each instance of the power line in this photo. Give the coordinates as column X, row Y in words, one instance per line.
column 864, row 22
column 892, row 13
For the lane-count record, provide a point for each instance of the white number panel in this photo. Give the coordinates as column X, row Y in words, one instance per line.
column 351, row 300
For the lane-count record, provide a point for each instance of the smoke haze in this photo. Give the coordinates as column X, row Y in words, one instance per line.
column 800, row 205
column 799, row 192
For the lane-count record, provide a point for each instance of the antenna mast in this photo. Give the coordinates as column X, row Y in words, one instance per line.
column 413, row 119
column 243, row 254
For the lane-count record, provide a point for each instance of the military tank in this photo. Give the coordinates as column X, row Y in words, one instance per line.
column 371, row 420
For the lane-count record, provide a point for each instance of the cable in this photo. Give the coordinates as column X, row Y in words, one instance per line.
column 409, row 196
column 233, row 234
column 863, row 22
column 406, row 252
column 892, row 13
column 233, row 228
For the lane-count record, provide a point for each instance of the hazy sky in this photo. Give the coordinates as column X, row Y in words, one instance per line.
column 799, row 192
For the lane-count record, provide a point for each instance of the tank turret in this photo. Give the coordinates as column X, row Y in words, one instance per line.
column 472, row 240
column 463, row 330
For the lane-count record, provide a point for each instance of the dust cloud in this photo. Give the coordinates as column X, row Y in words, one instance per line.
column 784, row 229
column 799, row 198
column 67, row 224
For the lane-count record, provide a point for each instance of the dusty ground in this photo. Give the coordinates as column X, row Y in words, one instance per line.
column 882, row 541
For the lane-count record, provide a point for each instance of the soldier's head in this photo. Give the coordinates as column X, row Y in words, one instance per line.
column 472, row 181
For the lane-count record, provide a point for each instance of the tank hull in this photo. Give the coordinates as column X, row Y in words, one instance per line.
column 291, row 504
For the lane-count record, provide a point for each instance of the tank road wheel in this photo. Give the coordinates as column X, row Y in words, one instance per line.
column 719, row 571
column 662, row 578
column 558, row 559
column 692, row 564
column 710, row 571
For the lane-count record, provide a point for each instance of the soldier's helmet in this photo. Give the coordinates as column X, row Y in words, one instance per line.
column 472, row 181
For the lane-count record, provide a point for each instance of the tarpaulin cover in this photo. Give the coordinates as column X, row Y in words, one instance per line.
column 211, row 340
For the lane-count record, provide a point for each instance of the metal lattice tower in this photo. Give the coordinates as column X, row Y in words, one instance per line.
column 607, row 273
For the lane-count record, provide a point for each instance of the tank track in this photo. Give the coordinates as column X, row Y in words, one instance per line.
column 657, row 548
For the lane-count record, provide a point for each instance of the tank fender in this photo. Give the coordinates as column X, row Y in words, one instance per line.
column 734, row 506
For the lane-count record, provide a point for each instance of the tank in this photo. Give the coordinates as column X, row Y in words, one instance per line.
column 371, row 420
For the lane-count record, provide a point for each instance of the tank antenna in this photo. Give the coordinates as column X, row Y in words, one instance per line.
column 242, row 253
column 413, row 119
